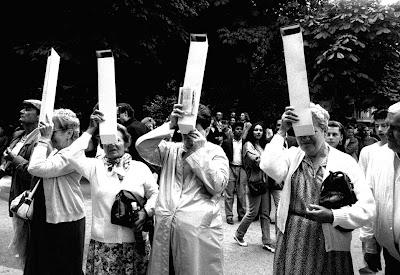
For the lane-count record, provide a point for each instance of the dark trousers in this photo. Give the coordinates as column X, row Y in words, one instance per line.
column 392, row 265
column 238, row 181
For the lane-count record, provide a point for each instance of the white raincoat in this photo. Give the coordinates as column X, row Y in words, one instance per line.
column 188, row 217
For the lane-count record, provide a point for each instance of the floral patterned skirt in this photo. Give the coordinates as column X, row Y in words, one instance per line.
column 116, row 258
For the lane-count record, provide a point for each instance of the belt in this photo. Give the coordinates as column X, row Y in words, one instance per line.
column 234, row 165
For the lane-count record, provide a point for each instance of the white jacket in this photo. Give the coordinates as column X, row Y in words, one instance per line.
column 280, row 163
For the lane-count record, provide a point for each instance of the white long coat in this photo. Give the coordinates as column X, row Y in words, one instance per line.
column 188, row 219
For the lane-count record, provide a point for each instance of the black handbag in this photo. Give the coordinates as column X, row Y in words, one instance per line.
column 337, row 191
column 122, row 212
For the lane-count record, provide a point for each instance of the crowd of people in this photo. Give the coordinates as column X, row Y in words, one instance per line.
column 181, row 181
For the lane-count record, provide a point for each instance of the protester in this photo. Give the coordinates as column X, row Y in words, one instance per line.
column 252, row 150
column 245, row 118
column 188, row 230
column 351, row 144
column 126, row 116
column 336, row 135
column 114, row 249
column 383, row 173
column 16, row 158
column 308, row 240
column 57, row 230
column 237, row 175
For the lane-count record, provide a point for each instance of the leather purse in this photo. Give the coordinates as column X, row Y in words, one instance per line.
column 22, row 205
column 337, row 191
column 122, row 212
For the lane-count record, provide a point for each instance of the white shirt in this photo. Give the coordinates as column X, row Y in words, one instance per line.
column 237, row 152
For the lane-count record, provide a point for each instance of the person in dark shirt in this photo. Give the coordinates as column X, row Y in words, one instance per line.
column 126, row 116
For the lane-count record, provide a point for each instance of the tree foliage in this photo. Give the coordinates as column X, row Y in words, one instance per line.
column 351, row 47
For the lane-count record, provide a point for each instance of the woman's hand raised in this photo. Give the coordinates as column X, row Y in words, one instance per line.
column 288, row 118
column 95, row 118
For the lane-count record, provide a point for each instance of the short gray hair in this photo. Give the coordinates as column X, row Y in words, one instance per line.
column 320, row 115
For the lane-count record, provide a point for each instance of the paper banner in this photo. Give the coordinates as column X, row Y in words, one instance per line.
column 193, row 81
column 107, row 96
column 297, row 79
column 49, row 86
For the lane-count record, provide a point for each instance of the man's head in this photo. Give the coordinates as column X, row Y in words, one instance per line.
column 393, row 132
column 203, row 117
column 125, row 113
column 237, row 129
column 29, row 114
column 218, row 116
column 278, row 125
column 380, row 123
column 224, row 125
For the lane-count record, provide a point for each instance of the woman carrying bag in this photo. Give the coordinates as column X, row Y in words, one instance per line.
column 114, row 248
column 258, row 189
column 57, row 229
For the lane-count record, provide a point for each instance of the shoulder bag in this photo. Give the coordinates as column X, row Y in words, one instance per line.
column 22, row 205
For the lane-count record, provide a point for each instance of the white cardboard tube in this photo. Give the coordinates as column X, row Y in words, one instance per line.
column 107, row 96
column 297, row 79
column 194, row 78
column 49, row 86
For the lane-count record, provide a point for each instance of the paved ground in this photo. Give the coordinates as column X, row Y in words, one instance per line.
column 238, row 260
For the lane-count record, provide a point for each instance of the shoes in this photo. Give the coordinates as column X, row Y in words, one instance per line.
column 240, row 241
column 229, row 220
column 269, row 247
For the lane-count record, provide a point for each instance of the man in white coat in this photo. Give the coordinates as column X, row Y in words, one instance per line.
column 188, row 223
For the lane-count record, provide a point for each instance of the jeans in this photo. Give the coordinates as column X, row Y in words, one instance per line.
column 238, row 181
column 255, row 202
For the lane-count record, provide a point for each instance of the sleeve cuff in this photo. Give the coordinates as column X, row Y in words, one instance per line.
column 339, row 217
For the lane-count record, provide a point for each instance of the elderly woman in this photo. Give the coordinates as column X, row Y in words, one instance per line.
column 308, row 240
column 114, row 249
column 57, row 230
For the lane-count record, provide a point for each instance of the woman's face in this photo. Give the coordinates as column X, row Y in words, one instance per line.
column 61, row 138
column 257, row 132
column 242, row 117
column 117, row 149
column 350, row 132
column 312, row 145
column 333, row 136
